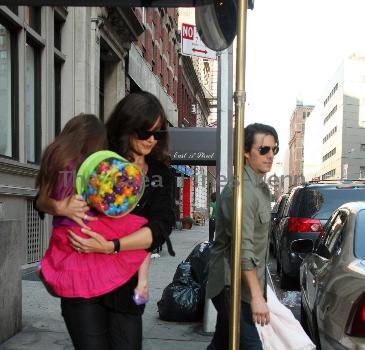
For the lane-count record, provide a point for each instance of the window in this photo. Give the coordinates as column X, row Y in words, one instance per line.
column 13, row 9
column 330, row 134
column 101, row 90
column 32, row 17
column 330, row 95
column 6, row 88
column 32, row 103
column 362, row 172
column 168, row 55
column 59, row 59
column 168, row 81
column 330, row 114
column 329, row 154
column 362, row 147
column 153, row 44
column 143, row 15
column 359, row 243
column 57, row 97
column 334, row 233
column 58, row 24
column 329, row 174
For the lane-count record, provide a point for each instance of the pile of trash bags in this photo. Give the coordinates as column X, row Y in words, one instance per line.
column 183, row 299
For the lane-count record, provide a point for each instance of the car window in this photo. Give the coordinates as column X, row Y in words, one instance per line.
column 320, row 202
column 292, row 202
column 282, row 206
column 359, row 243
column 332, row 237
column 335, row 232
column 279, row 206
column 275, row 209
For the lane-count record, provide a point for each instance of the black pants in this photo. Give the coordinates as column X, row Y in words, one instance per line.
column 92, row 326
column 211, row 230
column 249, row 337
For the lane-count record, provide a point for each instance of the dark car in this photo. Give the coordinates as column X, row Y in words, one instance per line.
column 307, row 209
column 276, row 216
column 332, row 281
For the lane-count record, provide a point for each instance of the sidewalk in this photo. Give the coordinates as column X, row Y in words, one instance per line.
column 44, row 329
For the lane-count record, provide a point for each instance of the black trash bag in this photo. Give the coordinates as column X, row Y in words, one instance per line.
column 199, row 259
column 183, row 271
column 181, row 301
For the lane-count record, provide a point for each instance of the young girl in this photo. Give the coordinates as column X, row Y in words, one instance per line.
column 68, row 273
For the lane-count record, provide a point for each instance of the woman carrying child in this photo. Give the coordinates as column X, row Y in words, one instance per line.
column 137, row 130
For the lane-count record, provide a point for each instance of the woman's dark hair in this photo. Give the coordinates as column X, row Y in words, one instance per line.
column 258, row 128
column 81, row 136
column 213, row 197
column 137, row 111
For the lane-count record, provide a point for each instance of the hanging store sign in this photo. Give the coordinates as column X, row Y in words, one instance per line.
column 193, row 146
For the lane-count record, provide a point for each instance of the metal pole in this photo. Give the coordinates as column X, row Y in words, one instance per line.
column 239, row 138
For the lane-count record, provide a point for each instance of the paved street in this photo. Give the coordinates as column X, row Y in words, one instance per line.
column 44, row 329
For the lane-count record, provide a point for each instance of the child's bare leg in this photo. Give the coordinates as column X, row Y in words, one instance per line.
column 142, row 285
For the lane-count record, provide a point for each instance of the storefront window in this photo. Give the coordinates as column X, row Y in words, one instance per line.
column 31, row 103
column 5, row 93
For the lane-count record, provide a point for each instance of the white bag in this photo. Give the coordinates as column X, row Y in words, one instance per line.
column 284, row 332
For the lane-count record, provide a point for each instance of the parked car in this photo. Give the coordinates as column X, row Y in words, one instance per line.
column 306, row 211
column 276, row 216
column 332, row 281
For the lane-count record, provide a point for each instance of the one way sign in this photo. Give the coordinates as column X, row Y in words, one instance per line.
column 192, row 45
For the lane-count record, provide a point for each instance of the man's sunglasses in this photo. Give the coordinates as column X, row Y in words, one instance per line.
column 145, row 134
column 266, row 149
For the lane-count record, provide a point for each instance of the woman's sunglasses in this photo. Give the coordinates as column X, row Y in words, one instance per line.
column 145, row 134
column 266, row 149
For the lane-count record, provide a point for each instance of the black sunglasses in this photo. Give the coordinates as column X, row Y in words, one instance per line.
column 145, row 134
column 266, row 149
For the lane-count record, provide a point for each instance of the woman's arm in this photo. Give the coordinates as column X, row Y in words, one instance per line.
column 160, row 213
column 160, row 218
column 140, row 239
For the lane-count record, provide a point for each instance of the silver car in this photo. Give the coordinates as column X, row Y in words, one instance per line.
column 332, row 281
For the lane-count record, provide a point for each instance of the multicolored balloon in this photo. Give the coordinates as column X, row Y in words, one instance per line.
column 110, row 184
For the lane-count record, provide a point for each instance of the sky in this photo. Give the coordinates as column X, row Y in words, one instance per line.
column 294, row 47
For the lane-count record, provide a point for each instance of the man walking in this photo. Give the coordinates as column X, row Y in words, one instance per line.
column 261, row 145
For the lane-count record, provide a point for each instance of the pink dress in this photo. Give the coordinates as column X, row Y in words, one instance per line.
column 86, row 275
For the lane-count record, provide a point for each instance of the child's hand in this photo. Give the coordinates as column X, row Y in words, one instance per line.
column 75, row 208
column 142, row 289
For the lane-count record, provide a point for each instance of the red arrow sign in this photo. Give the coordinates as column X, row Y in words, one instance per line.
column 202, row 51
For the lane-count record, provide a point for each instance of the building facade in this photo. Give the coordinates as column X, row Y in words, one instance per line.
column 57, row 62
column 296, row 142
column 340, row 117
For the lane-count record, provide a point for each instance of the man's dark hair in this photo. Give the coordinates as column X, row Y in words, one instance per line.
column 258, row 128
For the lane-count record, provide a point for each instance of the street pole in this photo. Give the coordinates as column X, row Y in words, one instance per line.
column 224, row 149
column 238, row 193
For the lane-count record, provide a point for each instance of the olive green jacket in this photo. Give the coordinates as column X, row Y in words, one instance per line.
column 255, row 243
